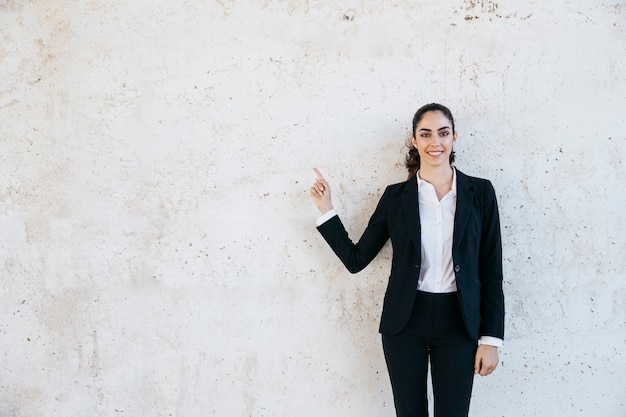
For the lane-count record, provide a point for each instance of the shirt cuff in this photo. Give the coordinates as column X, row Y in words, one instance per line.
column 325, row 217
column 490, row 340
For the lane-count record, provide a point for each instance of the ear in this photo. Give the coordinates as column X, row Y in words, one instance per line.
column 454, row 137
column 414, row 141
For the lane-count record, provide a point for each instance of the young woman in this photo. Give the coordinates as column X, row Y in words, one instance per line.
column 444, row 301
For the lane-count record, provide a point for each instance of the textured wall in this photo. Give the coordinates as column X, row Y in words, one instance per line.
column 157, row 249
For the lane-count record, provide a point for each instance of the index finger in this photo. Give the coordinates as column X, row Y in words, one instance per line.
column 319, row 174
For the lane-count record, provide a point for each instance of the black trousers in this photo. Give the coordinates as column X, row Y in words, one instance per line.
column 436, row 332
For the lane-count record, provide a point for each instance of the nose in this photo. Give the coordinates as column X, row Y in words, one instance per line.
column 435, row 139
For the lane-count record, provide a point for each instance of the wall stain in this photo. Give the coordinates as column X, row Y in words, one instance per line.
column 488, row 9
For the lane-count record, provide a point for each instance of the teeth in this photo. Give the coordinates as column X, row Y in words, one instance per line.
column 437, row 153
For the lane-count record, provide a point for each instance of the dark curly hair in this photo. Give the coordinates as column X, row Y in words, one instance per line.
column 412, row 160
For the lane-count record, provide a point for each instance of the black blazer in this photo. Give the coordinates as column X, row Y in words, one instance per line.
column 476, row 253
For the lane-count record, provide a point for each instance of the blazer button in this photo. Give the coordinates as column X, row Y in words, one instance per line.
column 457, row 268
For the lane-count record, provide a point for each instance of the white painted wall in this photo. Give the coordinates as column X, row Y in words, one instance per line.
column 157, row 249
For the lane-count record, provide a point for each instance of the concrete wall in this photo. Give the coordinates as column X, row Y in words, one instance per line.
column 157, row 249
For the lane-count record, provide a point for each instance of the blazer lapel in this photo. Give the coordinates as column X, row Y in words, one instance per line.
column 464, row 199
column 411, row 212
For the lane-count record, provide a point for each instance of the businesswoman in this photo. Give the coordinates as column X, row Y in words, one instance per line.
column 444, row 301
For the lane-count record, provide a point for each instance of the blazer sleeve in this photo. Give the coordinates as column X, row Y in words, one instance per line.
column 490, row 268
column 357, row 256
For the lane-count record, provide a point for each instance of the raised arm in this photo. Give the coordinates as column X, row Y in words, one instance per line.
column 354, row 256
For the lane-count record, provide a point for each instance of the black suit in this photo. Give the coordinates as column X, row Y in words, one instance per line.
column 476, row 253
column 477, row 260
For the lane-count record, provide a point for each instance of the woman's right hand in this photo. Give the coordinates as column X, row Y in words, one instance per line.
column 320, row 193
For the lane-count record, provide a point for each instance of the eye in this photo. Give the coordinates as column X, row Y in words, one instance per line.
column 424, row 135
column 445, row 133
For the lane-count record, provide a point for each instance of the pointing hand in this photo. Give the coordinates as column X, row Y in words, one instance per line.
column 320, row 193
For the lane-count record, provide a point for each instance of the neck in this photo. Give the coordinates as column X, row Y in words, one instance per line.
column 436, row 175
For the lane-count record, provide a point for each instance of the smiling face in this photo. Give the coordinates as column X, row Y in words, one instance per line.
column 433, row 138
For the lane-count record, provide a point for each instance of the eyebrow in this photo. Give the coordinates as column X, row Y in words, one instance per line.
column 441, row 128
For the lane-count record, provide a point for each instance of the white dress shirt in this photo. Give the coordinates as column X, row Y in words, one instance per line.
column 437, row 224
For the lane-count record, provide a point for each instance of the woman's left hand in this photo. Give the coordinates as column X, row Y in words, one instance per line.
column 486, row 360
